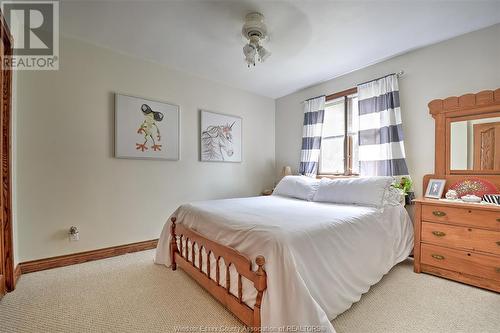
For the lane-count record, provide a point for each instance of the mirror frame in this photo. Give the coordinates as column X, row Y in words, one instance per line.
column 484, row 104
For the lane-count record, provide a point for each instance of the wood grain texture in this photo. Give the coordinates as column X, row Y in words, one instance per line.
column 81, row 257
column 185, row 241
column 343, row 93
column 458, row 241
column 3, row 290
column 468, row 262
column 17, row 275
column 478, row 102
column 487, row 146
column 467, row 216
column 417, row 238
column 6, row 236
column 463, row 238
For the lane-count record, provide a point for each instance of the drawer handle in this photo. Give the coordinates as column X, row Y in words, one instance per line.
column 498, row 220
column 498, row 243
column 438, row 213
column 440, row 234
column 497, row 269
column 438, row 256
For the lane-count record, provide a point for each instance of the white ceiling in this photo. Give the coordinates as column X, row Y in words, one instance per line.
column 310, row 41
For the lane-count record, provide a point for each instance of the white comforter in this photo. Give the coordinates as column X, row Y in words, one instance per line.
column 320, row 257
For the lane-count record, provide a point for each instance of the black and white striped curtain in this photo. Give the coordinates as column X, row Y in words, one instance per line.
column 314, row 114
column 381, row 144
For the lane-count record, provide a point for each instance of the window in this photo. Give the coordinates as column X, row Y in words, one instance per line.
column 339, row 144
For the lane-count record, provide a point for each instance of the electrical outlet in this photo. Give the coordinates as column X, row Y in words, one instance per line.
column 74, row 234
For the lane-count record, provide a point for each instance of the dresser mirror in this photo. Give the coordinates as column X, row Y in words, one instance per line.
column 475, row 144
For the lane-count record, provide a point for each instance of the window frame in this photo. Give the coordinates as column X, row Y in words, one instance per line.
column 348, row 149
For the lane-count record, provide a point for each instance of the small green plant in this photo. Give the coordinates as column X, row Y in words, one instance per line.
column 405, row 185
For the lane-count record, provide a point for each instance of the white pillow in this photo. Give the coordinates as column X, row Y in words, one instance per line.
column 394, row 197
column 300, row 187
column 366, row 191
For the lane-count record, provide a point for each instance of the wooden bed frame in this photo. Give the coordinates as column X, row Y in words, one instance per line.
column 179, row 256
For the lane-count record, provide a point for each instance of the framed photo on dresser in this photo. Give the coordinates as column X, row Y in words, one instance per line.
column 435, row 188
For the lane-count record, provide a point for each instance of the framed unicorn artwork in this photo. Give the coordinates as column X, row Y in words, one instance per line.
column 220, row 137
column 146, row 129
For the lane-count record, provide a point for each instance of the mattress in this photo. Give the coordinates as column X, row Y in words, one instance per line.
column 320, row 257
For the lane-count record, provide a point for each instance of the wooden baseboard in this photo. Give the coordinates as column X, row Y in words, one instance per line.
column 17, row 275
column 81, row 257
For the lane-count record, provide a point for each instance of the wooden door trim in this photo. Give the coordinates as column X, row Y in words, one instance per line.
column 17, row 274
column 6, row 181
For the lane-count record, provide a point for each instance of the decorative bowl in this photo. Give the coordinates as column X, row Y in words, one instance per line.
column 471, row 198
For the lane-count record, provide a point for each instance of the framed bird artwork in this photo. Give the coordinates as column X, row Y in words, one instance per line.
column 146, row 129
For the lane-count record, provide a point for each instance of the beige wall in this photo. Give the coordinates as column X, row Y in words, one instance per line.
column 68, row 175
column 468, row 63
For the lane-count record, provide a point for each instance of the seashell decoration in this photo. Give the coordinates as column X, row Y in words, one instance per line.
column 451, row 195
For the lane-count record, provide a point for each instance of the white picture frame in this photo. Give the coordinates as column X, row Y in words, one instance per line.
column 435, row 188
column 220, row 137
column 146, row 129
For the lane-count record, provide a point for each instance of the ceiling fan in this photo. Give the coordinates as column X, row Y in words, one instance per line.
column 255, row 31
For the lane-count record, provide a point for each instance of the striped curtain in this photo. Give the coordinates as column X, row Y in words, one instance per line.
column 381, row 145
column 314, row 113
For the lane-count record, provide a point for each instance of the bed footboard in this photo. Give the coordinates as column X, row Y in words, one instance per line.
column 188, row 255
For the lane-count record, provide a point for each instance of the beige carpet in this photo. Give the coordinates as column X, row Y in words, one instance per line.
column 131, row 294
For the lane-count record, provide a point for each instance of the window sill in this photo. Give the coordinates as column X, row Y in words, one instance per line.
column 336, row 176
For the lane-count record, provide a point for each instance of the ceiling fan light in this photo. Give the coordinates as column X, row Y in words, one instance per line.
column 249, row 50
column 263, row 53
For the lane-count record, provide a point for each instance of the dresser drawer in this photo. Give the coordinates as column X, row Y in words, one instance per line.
column 485, row 266
column 473, row 217
column 461, row 237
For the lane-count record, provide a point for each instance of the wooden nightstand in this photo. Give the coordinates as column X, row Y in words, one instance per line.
column 458, row 241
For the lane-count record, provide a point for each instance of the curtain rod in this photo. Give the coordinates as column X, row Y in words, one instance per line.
column 398, row 74
column 313, row 98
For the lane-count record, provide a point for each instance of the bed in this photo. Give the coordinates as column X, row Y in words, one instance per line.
column 276, row 261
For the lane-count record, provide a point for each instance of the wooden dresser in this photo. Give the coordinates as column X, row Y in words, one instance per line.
column 458, row 241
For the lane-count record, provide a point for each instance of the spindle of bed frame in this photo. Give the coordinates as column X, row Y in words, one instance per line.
column 180, row 243
column 228, row 278
column 208, row 263
column 240, row 289
column 200, row 260
column 260, row 284
column 217, row 271
column 173, row 244
column 193, row 254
